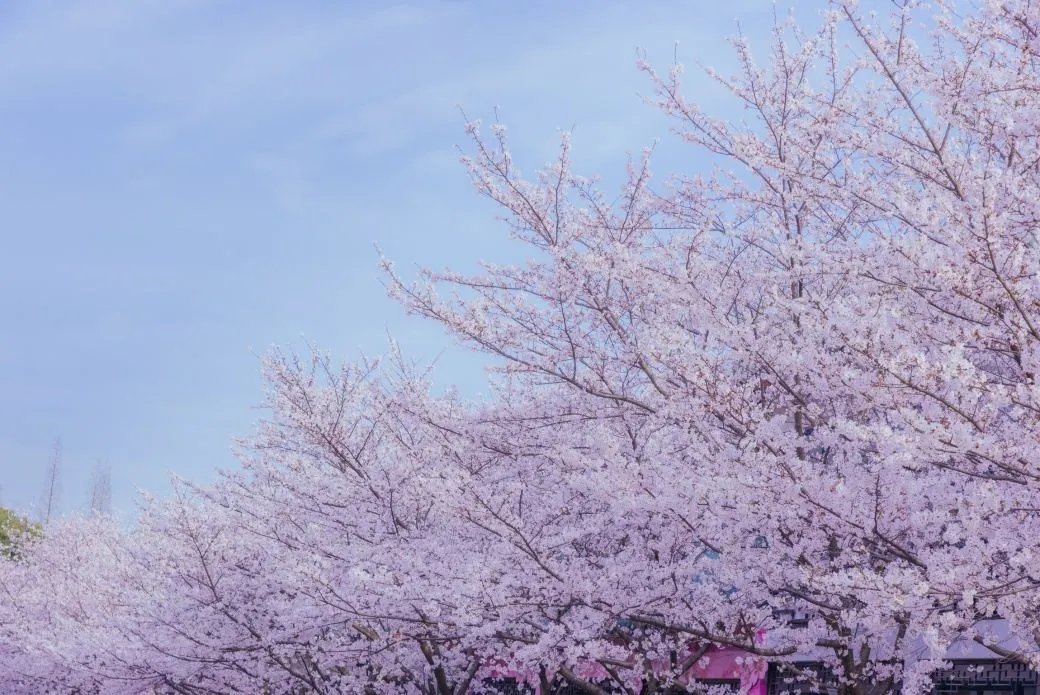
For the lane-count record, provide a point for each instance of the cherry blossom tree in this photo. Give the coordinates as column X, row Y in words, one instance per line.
column 803, row 383
column 817, row 361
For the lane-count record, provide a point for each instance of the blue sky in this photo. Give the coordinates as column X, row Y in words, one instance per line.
column 186, row 183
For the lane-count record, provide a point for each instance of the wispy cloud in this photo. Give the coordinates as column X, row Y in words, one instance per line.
column 187, row 180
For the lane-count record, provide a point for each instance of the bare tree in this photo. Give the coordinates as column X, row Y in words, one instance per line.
column 101, row 489
column 52, row 483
